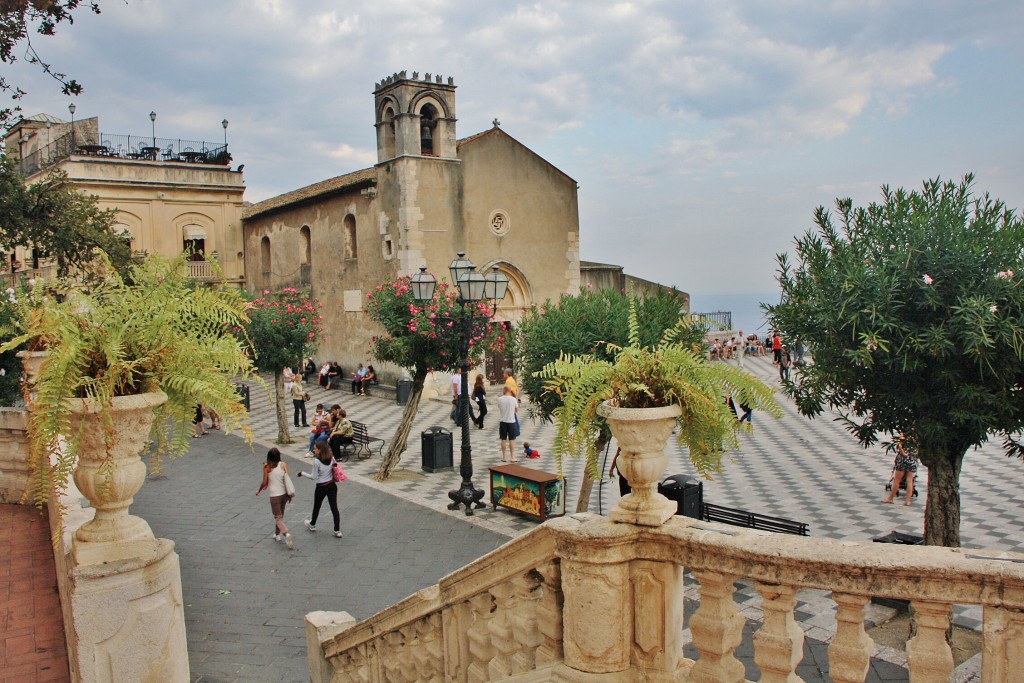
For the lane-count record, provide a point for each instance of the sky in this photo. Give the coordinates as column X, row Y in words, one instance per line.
column 702, row 134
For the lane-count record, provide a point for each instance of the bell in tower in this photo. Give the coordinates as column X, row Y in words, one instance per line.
column 415, row 117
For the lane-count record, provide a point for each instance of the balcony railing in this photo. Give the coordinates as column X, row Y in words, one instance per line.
column 717, row 320
column 135, row 147
column 583, row 598
column 8, row 279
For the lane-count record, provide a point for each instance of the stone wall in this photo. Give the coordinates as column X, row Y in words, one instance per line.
column 14, row 469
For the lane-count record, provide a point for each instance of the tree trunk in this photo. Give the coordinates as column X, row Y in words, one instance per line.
column 401, row 435
column 282, row 416
column 942, row 512
column 587, row 484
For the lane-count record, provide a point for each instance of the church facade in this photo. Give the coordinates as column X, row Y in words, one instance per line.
column 429, row 196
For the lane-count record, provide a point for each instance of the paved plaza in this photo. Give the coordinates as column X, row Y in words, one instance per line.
column 246, row 595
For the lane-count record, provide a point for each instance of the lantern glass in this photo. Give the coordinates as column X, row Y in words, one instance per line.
column 423, row 284
column 459, row 267
column 497, row 285
column 471, row 286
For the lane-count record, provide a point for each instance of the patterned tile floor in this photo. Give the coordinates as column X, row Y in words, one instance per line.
column 806, row 470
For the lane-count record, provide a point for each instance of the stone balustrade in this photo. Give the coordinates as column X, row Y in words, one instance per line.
column 14, row 461
column 584, row 599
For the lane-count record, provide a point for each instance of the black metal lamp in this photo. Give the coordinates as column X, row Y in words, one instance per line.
column 71, row 108
column 473, row 287
column 152, row 120
column 225, row 124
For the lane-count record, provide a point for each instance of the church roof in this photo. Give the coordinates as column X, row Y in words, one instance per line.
column 43, row 118
column 310, row 192
column 499, row 131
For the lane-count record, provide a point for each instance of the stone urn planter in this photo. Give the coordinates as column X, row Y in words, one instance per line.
column 109, row 471
column 641, row 434
column 31, row 363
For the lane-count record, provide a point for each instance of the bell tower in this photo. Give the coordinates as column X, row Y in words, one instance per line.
column 415, row 117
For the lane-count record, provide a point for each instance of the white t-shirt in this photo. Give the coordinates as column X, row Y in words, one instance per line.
column 457, row 384
column 507, row 408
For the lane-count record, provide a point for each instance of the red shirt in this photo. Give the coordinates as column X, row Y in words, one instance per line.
column 776, row 343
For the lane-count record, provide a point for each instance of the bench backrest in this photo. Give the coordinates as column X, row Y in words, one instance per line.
column 752, row 520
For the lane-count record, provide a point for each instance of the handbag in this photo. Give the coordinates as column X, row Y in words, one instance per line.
column 339, row 474
column 289, row 487
column 515, row 433
column 305, row 396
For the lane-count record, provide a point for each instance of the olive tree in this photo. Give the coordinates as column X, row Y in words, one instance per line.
column 913, row 309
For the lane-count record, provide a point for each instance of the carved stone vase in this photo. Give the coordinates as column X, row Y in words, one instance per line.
column 641, row 434
column 109, row 471
column 31, row 363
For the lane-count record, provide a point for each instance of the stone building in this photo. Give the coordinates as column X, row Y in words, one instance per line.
column 429, row 196
column 171, row 196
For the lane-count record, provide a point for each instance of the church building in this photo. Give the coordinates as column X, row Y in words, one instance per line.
column 430, row 196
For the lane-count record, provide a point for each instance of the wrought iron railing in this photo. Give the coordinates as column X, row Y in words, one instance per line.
column 718, row 320
column 140, row 147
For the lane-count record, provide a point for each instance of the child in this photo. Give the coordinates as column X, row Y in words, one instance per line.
column 530, row 452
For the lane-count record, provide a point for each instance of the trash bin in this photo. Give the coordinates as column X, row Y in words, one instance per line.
column 243, row 391
column 686, row 492
column 437, row 450
column 402, row 391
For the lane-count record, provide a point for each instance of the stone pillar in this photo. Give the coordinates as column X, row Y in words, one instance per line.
column 779, row 643
column 657, row 618
column 849, row 655
column 597, row 619
column 128, row 617
column 1002, row 658
column 928, row 655
column 717, row 629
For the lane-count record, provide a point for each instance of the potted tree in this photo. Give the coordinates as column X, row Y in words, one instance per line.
column 127, row 362
column 641, row 396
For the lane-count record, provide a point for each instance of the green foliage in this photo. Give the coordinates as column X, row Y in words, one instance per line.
column 424, row 336
column 52, row 216
column 17, row 17
column 10, row 364
column 115, row 339
column 666, row 373
column 284, row 328
column 595, row 323
column 913, row 309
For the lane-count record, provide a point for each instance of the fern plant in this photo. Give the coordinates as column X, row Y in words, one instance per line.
column 154, row 332
column 667, row 373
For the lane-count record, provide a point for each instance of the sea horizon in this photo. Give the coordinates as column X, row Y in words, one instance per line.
column 745, row 308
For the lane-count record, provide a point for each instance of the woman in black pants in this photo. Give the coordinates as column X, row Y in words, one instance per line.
column 323, row 476
column 480, row 396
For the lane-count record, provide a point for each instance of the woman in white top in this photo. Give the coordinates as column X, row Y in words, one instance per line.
column 322, row 475
column 274, row 474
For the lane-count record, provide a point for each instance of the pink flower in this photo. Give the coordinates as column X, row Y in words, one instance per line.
column 993, row 308
column 928, row 279
column 1005, row 275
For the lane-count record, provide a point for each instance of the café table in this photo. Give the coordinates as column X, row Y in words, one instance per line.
column 149, row 152
column 94, row 150
column 192, row 157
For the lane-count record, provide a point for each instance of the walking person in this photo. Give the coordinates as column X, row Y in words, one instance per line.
column 741, row 348
column 479, row 395
column 322, row 475
column 784, row 364
column 298, row 395
column 508, row 406
column 904, row 467
column 279, row 487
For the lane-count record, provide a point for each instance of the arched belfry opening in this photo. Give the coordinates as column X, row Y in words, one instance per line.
column 428, row 124
column 415, row 116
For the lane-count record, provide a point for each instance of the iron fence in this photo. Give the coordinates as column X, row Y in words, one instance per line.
column 145, row 148
column 721, row 320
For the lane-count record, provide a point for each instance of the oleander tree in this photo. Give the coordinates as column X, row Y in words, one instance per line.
column 581, row 324
column 284, row 328
column 913, row 310
column 421, row 337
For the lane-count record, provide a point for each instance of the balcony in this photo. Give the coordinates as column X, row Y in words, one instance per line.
column 583, row 598
column 130, row 147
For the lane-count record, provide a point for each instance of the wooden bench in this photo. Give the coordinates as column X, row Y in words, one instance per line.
column 362, row 442
column 752, row 520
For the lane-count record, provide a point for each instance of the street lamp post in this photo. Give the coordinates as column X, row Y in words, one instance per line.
column 225, row 124
column 71, row 108
column 152, row 120
column 473, row 287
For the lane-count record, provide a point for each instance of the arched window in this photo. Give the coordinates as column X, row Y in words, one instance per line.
column 265, row 256
column 351, row 248
column 389, row 133
column 194, row 242
column 428, row 125
column 306, row 248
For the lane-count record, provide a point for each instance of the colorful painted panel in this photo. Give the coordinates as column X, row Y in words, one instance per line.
column 539, row 499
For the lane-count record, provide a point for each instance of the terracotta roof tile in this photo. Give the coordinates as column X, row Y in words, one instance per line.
column 304, row 194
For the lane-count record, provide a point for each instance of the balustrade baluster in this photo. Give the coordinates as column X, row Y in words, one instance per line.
column 717, row 629
column 779, row 643
column 1002, row 658
column 849, row 655
column 928, row 654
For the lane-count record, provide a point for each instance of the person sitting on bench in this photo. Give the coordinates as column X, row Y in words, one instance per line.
column 342, row 434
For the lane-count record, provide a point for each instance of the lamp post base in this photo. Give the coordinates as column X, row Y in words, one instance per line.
column 467, row 495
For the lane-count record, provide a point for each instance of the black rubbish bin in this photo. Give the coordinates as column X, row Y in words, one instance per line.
column 402, row 391
column 437, row 450
column 243, row 391
column 688, row 494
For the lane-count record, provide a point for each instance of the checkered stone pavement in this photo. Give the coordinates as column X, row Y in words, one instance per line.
column 807, row 470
